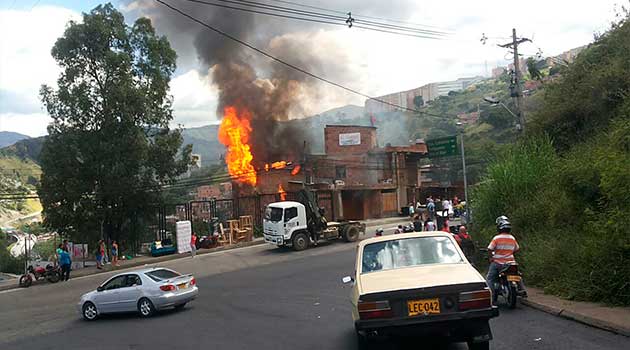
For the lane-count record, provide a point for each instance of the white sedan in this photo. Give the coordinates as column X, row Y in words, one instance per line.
column 145, row 291
column 419, row 284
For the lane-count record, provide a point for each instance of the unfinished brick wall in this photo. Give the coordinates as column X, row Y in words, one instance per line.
column 367, row 139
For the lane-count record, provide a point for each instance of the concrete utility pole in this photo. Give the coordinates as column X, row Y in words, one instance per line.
column 517, row 92
column 461, row 139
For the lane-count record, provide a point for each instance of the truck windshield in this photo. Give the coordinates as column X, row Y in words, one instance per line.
column 273, row 214
column 409, row 252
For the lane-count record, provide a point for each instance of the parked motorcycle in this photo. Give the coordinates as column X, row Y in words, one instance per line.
column 379, row 232
column 510, row 285
column 50, row 273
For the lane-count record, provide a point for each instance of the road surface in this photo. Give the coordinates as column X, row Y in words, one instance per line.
column 254, row 298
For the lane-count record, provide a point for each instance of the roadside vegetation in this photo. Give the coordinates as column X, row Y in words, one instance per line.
column 565, row 185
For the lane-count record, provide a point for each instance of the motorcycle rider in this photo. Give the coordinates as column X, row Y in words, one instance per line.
column 501, row 251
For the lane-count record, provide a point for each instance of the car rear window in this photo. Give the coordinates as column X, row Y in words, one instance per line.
column 161, row 275
column 409, row 252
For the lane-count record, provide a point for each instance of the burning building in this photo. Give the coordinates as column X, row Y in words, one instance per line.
column 365, row 180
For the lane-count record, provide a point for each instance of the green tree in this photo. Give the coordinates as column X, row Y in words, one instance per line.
column 110, row 148
column 532, row 68
column 418, row 102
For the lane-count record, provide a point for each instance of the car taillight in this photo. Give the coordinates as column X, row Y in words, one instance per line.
column 192, row 282
column 374, row 309
column 167, row 287
column 479, row 299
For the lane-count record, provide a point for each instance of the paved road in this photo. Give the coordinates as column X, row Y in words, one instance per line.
column 254, row 298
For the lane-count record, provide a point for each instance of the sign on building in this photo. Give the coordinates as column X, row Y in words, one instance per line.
column 442, row 147
column 350, row 139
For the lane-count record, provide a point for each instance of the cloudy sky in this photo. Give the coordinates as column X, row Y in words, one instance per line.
column 372, row 62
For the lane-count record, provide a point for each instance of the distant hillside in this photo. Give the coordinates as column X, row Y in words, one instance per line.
column 7, row 138
column 29, row 148
column 205, row 143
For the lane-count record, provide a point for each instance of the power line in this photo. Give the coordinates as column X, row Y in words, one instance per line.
column 290, row 65
column 322, row 18
column 344, row 17
column 355, row 14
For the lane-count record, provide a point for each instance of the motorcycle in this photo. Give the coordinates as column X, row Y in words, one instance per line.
column 50, row 273
column 509, row 285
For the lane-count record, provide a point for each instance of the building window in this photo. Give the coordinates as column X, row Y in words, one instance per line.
column 340, row 172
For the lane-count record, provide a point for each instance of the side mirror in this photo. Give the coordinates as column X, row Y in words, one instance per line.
column 347, row 280
column 100, row 289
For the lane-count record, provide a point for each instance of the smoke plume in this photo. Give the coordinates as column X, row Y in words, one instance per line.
column 270, row 91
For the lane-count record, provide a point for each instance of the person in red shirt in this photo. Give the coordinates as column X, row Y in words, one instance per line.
column 193, row 245
column 445, row 227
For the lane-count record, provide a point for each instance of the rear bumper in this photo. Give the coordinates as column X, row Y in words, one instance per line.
column 172, row 299
column 463, row 326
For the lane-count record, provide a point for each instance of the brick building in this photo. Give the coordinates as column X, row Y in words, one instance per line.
column 367, row 181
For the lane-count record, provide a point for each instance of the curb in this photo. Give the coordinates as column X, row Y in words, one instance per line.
column 156, row 260
column 570, row 315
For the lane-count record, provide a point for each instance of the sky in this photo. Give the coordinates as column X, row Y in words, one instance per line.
column 371, row 62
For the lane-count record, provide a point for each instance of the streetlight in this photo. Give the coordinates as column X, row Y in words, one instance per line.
column 461, row 135
column 495, row 102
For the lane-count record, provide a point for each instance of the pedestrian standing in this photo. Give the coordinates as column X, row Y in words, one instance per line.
column 65, row 262
column 193, row 245
column 411, row 211
column 445, row 207
column 100, row 254
column 115, row 253
column 431, row 209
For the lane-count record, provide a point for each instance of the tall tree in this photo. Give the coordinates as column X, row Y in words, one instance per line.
column 110, row 148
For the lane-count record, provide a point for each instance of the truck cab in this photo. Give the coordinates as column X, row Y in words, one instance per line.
column 282, row 221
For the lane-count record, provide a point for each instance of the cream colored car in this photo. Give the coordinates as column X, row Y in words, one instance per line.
column 419, row 284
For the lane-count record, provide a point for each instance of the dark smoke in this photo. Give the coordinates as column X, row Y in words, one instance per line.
column 270, row 91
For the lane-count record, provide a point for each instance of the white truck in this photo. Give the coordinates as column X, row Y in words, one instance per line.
column 300, row 224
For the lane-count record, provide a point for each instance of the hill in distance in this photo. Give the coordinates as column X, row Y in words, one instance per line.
column 7, row 138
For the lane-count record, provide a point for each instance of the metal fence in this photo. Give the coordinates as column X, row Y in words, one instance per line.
column 201, row 212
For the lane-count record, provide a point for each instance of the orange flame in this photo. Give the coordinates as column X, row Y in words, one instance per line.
column 283, row 193
column 266, row 167
column 296, row 170
column 234, row 134
column 279, row 165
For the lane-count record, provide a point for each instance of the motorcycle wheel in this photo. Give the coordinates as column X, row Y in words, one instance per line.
column 53, row 277
column 511, row 297
column 25, row 281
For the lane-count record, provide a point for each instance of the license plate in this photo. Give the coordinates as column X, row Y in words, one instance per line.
column 181, row 286
column 514, row 278
column 423, row 307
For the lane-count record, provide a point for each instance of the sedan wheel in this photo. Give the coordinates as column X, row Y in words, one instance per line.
column 89, row 311
column 145, row 307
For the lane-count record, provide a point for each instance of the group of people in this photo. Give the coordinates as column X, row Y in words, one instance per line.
column 101, row 254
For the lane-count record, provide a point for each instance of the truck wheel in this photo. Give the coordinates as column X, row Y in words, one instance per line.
column 300, row 241
column 351, row 234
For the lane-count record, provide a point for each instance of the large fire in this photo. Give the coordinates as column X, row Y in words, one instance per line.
column 234, row 134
